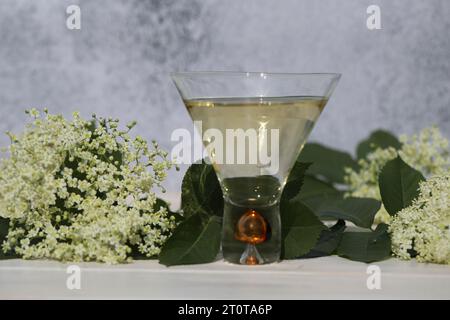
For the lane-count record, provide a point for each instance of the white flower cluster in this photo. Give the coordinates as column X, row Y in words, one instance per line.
column 427, row 152
column 82, row 191
column 424, row 227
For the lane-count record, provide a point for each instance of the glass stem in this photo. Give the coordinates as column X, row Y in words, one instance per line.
column 251, row 255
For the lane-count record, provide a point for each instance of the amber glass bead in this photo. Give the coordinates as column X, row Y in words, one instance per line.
column 251, row 228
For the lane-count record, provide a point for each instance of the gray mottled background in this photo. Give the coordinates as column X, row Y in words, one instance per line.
column 397, row 78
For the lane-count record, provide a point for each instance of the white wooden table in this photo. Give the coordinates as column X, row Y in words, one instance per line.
column 322, row 278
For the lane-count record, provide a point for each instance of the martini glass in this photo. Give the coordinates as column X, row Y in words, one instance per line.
column 253, row 126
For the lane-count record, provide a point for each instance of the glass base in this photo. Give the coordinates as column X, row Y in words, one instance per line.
column 255, row 247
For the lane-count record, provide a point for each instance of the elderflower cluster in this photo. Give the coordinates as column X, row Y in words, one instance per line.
column 423, row 229
column 427, row 152
column 82, row 191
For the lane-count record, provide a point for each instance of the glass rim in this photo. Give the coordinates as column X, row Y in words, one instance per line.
column 251, row 74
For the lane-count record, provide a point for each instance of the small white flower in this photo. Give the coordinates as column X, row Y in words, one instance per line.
column 427, row 152
column 78, row 199
column 424, row 226
column 129, row 200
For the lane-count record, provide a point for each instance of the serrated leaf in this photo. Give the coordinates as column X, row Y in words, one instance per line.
column 300, row 229
column 328, row 241
column 200, row 191
column 313, row 192
column 313, row 187
column 399, row 185
column 377, row 139
column 193, row 241
column 326, row 162
column 295, row 181
column 366, row 246
column 360, row 211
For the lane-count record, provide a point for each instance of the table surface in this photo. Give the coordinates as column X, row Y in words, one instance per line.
column 319, row 278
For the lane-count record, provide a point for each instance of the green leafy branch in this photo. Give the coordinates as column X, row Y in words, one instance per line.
column 317, row 218
column 312, row 199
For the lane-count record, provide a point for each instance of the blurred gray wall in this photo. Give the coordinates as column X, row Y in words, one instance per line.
column 117, row 65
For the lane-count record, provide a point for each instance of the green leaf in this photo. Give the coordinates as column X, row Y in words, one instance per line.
column 300, row 229
column 328, row 241
column 327, row 163
column 314, row 191
column 295, row 181
column 200, row 191
column 377, row 139
column 193, row 241
column 366, row 246
column 360, row 211
column 399, row 185
column 313, row 187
